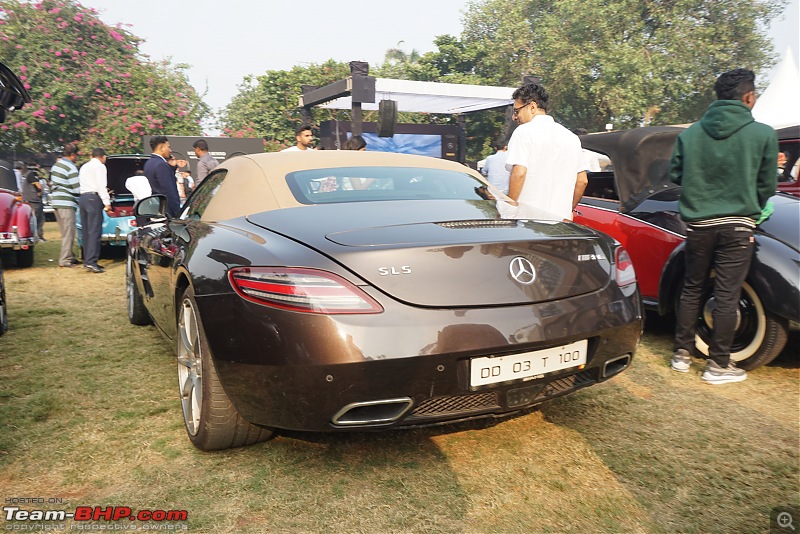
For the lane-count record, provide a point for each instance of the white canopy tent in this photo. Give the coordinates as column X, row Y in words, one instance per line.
column 779, row 105
column 431, row 97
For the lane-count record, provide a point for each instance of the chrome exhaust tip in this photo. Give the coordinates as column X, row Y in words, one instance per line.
column 617, row 365
column 378, row 412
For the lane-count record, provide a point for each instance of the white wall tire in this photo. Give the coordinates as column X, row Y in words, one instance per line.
column 759, row 338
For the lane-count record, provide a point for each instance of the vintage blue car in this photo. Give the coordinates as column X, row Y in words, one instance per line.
column 121, row 221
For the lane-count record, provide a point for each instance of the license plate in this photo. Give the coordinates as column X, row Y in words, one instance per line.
column 491, row 370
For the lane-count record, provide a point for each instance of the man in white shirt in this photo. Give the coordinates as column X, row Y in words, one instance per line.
column 93, row 201
column 19, row 174
column 304, row 137
column 494, row 168
column 139, row 186
column 545, row 159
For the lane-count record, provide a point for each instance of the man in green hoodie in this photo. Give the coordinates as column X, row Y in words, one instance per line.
column 726, row 166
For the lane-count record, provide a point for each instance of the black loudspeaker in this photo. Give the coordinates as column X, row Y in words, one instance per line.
column 387, row 117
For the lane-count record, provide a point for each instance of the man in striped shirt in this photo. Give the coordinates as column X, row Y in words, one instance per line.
column 64, row 194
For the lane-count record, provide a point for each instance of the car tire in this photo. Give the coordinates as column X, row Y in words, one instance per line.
column 25, row 257
column 759, row 338
column 137, row 313
column 210, row 418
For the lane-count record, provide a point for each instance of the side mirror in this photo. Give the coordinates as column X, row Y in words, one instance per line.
column 151, row 209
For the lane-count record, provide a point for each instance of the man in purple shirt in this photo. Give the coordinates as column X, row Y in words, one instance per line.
column 205, row 162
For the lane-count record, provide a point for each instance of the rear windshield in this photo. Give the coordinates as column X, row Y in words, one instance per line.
column 358, row 184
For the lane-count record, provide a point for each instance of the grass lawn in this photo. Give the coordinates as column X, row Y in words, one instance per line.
column 90, row 416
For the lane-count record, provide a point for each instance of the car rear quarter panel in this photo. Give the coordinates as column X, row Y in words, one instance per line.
column 649, row 246
column 774, row 276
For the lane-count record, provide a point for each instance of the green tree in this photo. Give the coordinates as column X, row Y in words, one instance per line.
column 627, row 62
column 89, row 82
column 267, row 105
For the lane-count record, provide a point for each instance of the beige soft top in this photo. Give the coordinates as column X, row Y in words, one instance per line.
column 256, row 182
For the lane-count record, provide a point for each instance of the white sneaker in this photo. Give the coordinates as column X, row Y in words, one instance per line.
column 681, row 361
column 714, row 374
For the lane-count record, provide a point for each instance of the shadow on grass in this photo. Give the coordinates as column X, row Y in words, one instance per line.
column 699, row 458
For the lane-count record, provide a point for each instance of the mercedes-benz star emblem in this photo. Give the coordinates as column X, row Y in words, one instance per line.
column 522, row 271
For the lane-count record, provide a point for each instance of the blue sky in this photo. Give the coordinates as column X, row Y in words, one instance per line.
column 244, row 37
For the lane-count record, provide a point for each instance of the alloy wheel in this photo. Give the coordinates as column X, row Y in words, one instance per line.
column 190, row 367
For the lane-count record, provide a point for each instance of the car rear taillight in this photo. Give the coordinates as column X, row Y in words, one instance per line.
column 303, row 290
column 625, row 274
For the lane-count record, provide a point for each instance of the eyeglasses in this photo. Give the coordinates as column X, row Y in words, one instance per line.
column 516, row 110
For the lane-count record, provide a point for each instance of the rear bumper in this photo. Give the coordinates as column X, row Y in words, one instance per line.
column 14, row 242
column 115, row 230
column 117, row 238
column 408, row 366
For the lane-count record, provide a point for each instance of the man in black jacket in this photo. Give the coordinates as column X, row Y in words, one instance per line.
column 161, row 174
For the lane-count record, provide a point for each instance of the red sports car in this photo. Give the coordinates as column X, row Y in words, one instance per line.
column 633, row 200
column 17, row 222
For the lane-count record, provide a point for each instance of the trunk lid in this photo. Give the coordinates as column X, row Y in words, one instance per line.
column 450, row 253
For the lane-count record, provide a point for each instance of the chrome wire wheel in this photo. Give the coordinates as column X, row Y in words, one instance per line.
column 190, row 367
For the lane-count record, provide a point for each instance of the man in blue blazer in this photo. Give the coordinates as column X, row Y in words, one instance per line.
column 161, row 174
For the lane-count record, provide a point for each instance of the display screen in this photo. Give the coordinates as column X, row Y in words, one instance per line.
column 419, row 144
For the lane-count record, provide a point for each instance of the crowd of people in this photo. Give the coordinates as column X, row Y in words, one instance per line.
column 85, row 191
